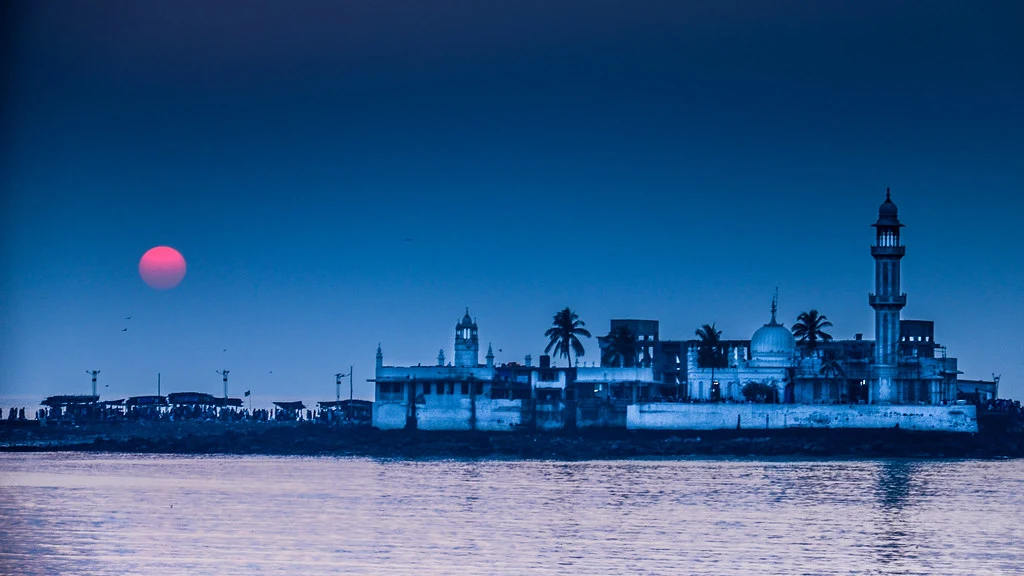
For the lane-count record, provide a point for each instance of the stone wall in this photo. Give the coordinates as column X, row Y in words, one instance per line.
column 550, row 415
column 389, row 415
column 672, row 416
column 444, row 413
column 498, row 415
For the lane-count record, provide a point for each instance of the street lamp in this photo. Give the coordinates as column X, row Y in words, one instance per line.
column 337, row 384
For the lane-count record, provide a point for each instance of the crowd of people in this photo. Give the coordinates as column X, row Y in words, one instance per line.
column 1005, row 406
column 98, row 412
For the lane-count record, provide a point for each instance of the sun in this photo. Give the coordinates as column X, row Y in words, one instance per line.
column 162, row 267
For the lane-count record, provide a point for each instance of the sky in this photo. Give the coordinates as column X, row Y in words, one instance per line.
column 343, row 174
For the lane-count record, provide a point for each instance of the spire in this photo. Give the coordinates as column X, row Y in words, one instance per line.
column 775, row 307
column 887, row 193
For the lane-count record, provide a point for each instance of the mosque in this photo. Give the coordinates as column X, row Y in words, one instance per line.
column 900, row 367
column 903, row 377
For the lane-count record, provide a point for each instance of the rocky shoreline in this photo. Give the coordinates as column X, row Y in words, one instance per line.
column 319, row 440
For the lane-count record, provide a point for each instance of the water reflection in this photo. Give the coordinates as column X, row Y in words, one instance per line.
column 896, row 545
column 112, row 515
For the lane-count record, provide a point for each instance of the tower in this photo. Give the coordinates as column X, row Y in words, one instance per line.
column 887, row 302
column 467, row 344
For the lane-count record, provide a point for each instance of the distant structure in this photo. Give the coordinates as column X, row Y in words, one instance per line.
column 646, row 382
column 904, row 365
column 467, row 343
column 93, row 373
column 887, row 302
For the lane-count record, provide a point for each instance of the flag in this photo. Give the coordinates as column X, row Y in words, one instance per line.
column 246, row 393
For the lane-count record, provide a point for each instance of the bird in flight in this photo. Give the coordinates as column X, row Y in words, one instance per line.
column 124, row 329
column 127, row 317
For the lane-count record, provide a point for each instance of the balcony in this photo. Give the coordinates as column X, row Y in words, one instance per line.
column 887, row 301
column 888, row 250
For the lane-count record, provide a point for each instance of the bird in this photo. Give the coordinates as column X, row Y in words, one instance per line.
column 408, row 239
column 127, row 317
column 224, row 350
column 124, row 329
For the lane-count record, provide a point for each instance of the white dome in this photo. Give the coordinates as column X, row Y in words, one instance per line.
column 772, row 340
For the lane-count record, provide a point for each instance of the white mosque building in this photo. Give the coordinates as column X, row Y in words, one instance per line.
column 903, row 378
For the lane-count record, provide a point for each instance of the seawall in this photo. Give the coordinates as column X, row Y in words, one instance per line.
column 677, row 416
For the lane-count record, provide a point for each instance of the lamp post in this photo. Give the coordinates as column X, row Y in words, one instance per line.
column 225, row 374
column 337, row 384
column 93, row 373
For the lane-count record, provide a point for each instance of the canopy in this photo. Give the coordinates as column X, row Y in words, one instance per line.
column 69, row 399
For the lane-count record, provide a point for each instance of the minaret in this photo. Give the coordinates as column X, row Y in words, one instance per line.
column 887, row 302
column 467, row 345
column 380, row 358
column 490, row 356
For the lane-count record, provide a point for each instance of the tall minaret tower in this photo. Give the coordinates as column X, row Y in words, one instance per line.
column 467, row 345
column 887, row 302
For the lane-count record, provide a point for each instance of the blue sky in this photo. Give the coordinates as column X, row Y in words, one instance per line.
column 343, row 174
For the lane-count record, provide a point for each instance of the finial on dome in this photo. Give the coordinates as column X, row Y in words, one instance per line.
column 887, row 193
column 775, row 307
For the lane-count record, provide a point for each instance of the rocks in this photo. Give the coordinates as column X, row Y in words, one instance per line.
column 311, row 439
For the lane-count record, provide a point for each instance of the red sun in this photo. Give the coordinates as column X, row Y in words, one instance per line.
column 162, row 267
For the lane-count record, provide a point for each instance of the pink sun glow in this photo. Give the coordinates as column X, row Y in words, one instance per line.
column 162, row 267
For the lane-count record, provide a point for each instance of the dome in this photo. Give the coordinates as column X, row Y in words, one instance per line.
column 773, row 345
column 466, row 320
column 887, row 213
column 772, row 339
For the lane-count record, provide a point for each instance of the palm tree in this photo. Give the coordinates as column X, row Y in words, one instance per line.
column 810, row 328
column 709, row 349
column 621, row 349
column 565, row 335
column 833, row 369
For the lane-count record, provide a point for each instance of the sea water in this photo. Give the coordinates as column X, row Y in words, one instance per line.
column 162, row 515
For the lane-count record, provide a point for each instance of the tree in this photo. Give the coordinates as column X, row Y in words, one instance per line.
column 760, row 393
column 621, row 349
column 810, row 328
column 833, row 369
column 565, row 335
column 709, row 350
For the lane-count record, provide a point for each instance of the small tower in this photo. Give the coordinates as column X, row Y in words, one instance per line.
column 887, row 301
column 380, row 358
column 467, row 344
column 490, row 356
column 440, row 357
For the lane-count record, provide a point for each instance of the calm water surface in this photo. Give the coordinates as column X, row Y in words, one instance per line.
column 130, row 514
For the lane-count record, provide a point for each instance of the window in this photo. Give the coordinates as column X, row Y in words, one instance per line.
column 479, row 388
column 465, row 387
column 426, row 387
column 440, row 388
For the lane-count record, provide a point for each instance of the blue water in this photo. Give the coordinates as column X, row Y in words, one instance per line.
column 141, row 514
